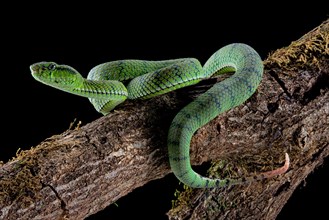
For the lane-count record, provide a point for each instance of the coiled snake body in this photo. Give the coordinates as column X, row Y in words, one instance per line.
column 105, row 89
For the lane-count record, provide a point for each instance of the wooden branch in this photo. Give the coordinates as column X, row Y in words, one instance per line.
column 82, row 171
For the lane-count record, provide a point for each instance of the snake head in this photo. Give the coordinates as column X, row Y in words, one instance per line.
column 59, row 76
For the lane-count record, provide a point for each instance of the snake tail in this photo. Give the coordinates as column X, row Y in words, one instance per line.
column 221, row 97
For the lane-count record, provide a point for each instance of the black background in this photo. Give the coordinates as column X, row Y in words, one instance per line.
column 83, row 38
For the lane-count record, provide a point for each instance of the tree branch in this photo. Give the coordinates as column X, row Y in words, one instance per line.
column 82, row 171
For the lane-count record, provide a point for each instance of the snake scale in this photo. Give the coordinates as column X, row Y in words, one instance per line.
column 111, row 83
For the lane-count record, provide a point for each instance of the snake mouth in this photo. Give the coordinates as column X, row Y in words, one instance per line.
column 34, row 68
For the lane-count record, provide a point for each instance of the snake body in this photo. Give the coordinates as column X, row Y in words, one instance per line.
column 110, row 84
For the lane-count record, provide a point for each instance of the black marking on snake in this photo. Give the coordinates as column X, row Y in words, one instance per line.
column 245, row 81
column 147, row 89
column 193, row 181
column 197, row 117
column 187, row 115
column 177, row 159
column 157, row 80
column 231, row 51
column 214, row 98
column 180, row 77
column 230, row 91
column 201, row 103
column 179, row 126
column 207, row 183
column 194, row 65
column 185, row 126
column 250, row 70
column 173, row 142
column 183, row 174
column 243, row 58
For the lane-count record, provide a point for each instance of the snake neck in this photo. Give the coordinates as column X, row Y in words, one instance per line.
column 100, row 89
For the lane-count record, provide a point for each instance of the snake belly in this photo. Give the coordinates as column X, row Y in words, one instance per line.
column 110, row 84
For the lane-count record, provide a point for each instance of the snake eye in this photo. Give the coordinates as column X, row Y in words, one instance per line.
column 51, row 66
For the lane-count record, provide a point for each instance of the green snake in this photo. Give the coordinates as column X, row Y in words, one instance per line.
column 109, row 84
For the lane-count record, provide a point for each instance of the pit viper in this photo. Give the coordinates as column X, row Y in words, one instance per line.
column 109, row 84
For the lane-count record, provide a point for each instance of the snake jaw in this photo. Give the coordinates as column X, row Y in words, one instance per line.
column 34, row 68
column 37, row 71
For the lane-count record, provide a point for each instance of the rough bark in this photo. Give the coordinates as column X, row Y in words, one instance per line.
column 80, row 172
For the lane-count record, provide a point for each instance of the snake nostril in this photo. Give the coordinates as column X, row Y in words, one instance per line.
column 34, row 68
